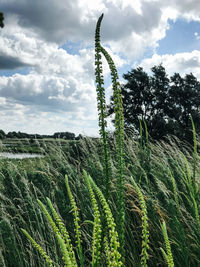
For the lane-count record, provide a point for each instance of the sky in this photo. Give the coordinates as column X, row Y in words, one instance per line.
column 47, row 81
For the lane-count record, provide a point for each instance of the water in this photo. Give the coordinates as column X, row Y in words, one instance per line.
column 19, row 155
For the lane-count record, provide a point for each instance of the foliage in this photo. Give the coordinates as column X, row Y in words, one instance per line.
column 2, row 134
column 1, row 20
column 21, row 135
column 65, row 135
column 165, row 104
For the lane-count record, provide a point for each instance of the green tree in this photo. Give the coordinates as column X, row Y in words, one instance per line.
column 164, row 103
column 184, row 102
column 2, row 134
column 64, row 135
column 159, row 87
column 137, row 90
column 1, row 20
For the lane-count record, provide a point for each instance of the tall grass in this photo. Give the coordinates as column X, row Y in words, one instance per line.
column 112, row 255
column 22, row 182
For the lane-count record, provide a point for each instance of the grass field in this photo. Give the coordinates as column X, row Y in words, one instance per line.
column 163, row 171
column 30, row 145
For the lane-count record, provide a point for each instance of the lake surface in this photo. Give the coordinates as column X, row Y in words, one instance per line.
column 19, row 155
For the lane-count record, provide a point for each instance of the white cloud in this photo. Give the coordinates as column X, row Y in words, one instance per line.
column 197, row 36
column 188, row 9
column 129, row 27
column 182, row 63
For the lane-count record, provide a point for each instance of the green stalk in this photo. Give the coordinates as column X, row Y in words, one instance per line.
column 168, row 254
column 119, row 133
column 194, row 156
column 76, row 222
column 39, row 248
column 59, row 236
column 96, row 244
column 101, row 106
column 113, row 253
column 64, row 232
column 145, row 225
column 175, row 192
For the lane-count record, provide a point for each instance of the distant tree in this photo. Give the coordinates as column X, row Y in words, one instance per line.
column 38, row 136
column 165, row 104
column 64, row 135
column 11, row 134
column 2, row 134
column 184, row 102
column 22, row 135
column 69, row 136
column 1, row 20
column 80, row 136
column 159, row 84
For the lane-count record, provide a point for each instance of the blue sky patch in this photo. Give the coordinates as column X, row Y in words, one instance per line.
column 180, row 37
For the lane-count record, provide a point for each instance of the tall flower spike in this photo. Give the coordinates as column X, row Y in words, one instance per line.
column 112, row 247
column 101, row 106
column 76, row 222
column 39, row 248
column 119, row 133
column 96, row 245
column 168, row 253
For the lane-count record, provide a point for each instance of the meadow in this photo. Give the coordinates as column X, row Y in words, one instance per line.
column 163, row 171
column 120, row 201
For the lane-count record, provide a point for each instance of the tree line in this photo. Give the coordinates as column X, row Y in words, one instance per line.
column 166, row 104
column 57, row 135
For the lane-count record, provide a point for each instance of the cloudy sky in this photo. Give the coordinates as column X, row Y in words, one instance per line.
column 47, row 79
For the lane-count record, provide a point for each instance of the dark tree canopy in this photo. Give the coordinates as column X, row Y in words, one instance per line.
column 20, row 135
column 164, row 103
column 1, row 20
column 64, row 135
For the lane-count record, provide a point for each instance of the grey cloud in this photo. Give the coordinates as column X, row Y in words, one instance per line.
column 63, row 20
column 45, row 93
column 192, row 6
column 59, row 21
column 53, row 20
column 190, row 63
column 118, row 23
column 7, row 62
